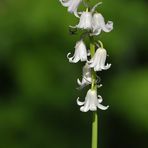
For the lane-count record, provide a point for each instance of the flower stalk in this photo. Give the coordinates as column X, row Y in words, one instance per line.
column 95, row 130
column 91, row 24
column 92, row 52
column 93, row 87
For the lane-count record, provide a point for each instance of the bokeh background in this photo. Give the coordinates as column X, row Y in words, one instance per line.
column 38, row 85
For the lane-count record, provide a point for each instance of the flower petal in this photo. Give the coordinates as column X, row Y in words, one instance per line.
column 69, row 55
column 96, row 32
column 108, row 27
column 79, row 82
column 85, row 21
column 100, row 106
column 65, row 3
column 84, row 109
column 93, row 108
column 76, row 14
column 79, row 102
column 100, row 99
column 107, row 66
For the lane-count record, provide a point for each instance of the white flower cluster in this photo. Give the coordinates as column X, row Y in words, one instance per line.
column 92, row 22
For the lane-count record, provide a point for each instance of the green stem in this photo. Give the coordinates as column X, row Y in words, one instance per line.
column 95, row 130
column 94, row 87
column 92, row 52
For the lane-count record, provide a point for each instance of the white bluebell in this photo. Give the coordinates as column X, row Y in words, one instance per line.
column 92, row 102
column 80, row 53
column 98, row 24
column 72, row 5
column 98, row 60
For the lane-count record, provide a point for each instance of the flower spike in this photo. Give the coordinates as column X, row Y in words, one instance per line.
column 90, row 24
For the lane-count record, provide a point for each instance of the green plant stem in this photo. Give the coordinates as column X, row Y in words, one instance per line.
column 95, row 130
column 94, row 87
column 92, row 52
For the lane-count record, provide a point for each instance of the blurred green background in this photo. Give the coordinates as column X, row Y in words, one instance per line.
column 37, row 83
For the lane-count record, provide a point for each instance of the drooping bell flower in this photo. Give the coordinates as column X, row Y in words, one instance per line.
column 98, row 24
column 86, row 79
column 98, row 60
column 80, row 53
column 72, row 5
column 92, row 102
column 85, row 20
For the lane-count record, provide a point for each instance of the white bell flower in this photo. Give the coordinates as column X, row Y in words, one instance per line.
column 99, row 59
column 80, row 53
column 85, row 20
column 72, row 5
column 86, row 79
column 98, row 24
column 92, row 102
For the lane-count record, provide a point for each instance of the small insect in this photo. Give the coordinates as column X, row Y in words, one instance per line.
column 72, row 31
